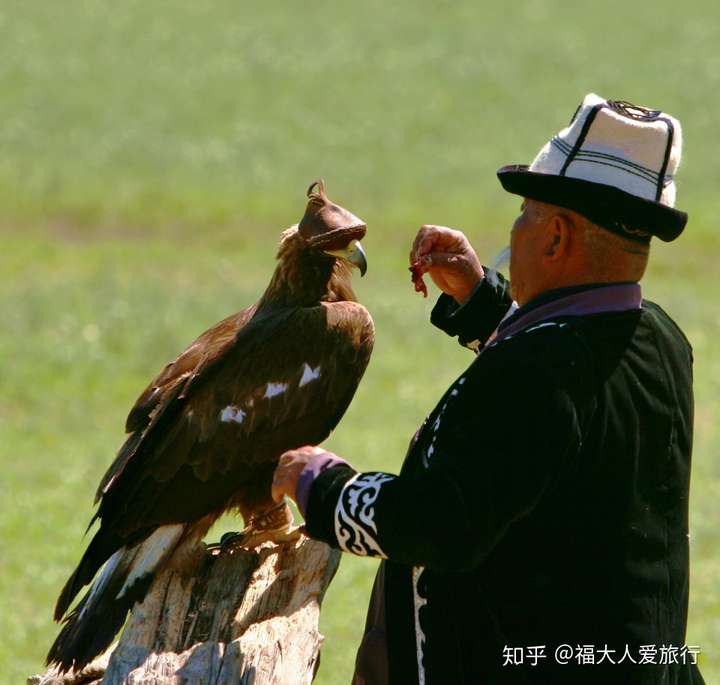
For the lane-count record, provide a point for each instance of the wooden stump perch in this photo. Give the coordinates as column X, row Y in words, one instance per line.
column 245, row 617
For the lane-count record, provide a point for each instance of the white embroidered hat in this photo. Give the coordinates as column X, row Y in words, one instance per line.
column 615, row 164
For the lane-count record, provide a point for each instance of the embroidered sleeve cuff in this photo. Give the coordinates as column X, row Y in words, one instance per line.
column 475, row 320
column 315, row 466
column 355, row 525
column 322, row 499
column 341, row 509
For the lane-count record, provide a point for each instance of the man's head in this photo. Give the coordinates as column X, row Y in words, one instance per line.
column 595, row 194
column 553, row 247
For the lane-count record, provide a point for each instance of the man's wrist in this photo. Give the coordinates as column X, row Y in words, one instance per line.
column 479, row 315
column 461, row 302
column 461, row 297
column 316, row 465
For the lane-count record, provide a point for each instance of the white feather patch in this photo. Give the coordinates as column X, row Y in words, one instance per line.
column 102, row 579
column 309, row 374
column 232, row 413
column 275, row 389
column 151, row 552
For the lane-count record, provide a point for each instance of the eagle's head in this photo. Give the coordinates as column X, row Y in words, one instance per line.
column 331, row 229
column 315, row 256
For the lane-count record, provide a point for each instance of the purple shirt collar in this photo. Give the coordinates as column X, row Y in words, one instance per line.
column 594, row 300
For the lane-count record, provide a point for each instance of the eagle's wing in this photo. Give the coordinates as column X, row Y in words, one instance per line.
column 169, row 383
column 207, row 347
column 284, row 381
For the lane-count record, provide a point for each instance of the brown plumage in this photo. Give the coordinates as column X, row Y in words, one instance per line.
column 206, row 434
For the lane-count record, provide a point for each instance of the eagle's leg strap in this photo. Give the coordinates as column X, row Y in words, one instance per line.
column 274, row 524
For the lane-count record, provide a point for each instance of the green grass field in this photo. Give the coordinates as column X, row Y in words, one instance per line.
column 151, row 153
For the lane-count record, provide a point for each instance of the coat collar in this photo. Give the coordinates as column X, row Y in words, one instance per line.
column 595, row 298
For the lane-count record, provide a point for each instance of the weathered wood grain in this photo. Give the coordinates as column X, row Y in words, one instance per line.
column 240, row 617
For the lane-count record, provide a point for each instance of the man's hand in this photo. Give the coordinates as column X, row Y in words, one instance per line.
column 450, row 260
column 288, row 470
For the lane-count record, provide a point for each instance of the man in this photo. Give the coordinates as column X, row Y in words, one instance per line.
column 537, row 532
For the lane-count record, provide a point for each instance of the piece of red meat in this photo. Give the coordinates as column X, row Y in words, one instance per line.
column 417, row 279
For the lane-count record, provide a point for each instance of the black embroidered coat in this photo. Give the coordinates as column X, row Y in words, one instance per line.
column 544, row 502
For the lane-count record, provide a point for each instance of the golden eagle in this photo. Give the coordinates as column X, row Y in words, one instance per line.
column 207, row 433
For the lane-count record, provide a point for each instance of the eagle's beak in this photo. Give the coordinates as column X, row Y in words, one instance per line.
column 354, row 254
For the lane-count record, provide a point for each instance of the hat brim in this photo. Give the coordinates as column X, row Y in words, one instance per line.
column 605, row 205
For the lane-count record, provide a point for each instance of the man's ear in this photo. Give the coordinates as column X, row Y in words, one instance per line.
column 559, row 237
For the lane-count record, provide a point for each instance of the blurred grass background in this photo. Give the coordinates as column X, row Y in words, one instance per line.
column 150, row 154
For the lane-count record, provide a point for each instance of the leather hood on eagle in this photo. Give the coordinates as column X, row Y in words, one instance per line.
column 326, row 224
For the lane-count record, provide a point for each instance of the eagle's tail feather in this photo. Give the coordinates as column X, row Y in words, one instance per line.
column 92, row 624
column 98, row 551
column 124, row 580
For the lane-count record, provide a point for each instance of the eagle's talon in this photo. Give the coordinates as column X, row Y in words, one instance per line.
column 251, row 538
column 275, row 524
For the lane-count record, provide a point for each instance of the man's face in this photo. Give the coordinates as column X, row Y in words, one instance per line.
column 526, row 240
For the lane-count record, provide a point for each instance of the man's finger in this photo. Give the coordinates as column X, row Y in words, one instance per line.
column 414, row 250
column 280, row 483
column 277, row 492
column 443, row 260
column 424, row 241
column 431, row 238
